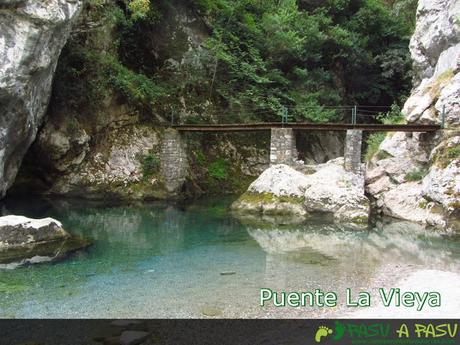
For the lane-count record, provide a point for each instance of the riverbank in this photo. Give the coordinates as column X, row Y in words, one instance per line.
column 446, row 283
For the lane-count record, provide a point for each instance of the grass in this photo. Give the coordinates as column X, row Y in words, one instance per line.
column 435, row 87
column 416, row 174
column 373, row 144
column 219, row 169
column 453, row 152
column 149, row 164
column 200, row 157
column 447, row 155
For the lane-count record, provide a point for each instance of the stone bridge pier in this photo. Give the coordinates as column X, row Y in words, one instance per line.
column 174, row 164
column 352, row 152
column 283, row 148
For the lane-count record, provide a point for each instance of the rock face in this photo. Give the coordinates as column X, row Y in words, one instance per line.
column 32, row 34
column 417, row 176
column 126, row 165
column 329, row 188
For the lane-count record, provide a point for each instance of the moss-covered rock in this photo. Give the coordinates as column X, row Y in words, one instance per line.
column 281, row 191
column 270, row 204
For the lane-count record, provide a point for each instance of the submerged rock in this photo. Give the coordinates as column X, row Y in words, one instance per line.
column 282, row 190
column 27, row 241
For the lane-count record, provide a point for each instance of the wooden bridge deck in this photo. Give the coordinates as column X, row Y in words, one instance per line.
column 305, row 126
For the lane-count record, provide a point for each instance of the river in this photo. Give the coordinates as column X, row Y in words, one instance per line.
column 162, row 260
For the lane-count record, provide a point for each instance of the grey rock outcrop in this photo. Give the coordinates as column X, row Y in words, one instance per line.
column 124, row 166
column 32, row 34
column 417, row 176
column 19, row 231
column 328, row 188
column 29, row 241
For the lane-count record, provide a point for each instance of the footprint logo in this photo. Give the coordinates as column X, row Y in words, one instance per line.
column 322, row 332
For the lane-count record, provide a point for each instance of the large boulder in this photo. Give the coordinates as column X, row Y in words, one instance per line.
column 18, row 231
column 32, row 34
column 279, row 190
column 329, row 188
column 25, row 240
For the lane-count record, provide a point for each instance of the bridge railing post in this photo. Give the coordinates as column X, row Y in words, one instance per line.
column 284, row 117
column 354, row 112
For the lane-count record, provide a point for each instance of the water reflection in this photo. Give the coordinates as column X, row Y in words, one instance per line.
column 325, row 249
column 165, row 260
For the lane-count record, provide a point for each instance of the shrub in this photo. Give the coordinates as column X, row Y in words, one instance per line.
column 200, row 157
column 218, row 169
column 149, row 164
column 416, row 174
column 453, row 152
column 373, row 143
column 137, row 88
column 446, row 155
column 393, row 116
column 139, row 8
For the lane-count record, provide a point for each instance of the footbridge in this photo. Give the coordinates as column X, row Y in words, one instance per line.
column 283, row 139
column 266, row 126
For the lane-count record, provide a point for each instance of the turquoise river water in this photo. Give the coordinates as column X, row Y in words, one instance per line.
column 162, row 260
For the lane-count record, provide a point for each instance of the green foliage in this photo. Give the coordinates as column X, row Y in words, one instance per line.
column 373, row 143
column 136, row 87
column 404, row 11
column 91, row 71
column 149, row 164
column 200, row 157
column 260, row 58
column 270, row 54
column 446, row 155
column 139, row 8
column 219, row 169
column 416, row 174
column 453, row 152
column 393, row 116
column 91, row 76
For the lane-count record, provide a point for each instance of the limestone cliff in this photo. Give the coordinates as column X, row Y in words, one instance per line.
column 95, row 144
column 32, row 34
column 417, row 176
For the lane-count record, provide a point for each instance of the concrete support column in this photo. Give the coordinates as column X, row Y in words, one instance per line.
column 174, row 163
column 282, row 146
column 352, row 153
